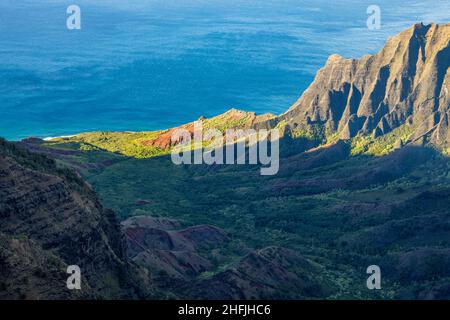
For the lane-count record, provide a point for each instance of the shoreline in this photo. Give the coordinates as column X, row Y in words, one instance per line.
column 59, row 137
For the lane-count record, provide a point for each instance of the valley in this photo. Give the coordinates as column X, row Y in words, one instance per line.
column 364, row 179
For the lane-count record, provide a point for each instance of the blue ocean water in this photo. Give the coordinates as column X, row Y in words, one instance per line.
column 152, row 64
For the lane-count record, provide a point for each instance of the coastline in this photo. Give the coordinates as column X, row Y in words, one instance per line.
column 59, row 137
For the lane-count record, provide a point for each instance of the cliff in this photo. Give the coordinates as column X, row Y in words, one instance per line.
column 407, row 82
column 50, row 219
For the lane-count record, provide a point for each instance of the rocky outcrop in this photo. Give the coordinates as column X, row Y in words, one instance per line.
column 160, row 246
column 270, row 273
column 51, row 219
column 232, row 119
column 408, row 81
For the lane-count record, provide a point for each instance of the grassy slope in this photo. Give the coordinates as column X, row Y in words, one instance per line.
column 135, row 144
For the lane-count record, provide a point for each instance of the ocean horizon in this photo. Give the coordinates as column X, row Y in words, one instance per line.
column 150, row 65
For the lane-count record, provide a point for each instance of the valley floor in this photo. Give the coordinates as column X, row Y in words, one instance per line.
column 311, row 231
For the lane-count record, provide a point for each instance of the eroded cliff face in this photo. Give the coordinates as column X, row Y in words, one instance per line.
column 51, row 219
column 407, row 82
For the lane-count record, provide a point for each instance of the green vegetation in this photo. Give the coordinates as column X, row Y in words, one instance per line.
column 382, row 145
column 311, row 132
column 125, row 143
column 337, row 213
column 140, row 144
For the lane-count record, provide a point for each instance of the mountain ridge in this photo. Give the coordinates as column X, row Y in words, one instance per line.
column 51, row 219
column 404, row 87
column 406, row 82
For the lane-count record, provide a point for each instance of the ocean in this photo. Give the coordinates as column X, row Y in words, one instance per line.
column 153, row 64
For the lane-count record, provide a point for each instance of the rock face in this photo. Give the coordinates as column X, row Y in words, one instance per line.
column 269, row 273
column 177, row 259
column 408, row 81
column 233, row 118
column 163, row 249
column 51, row 219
